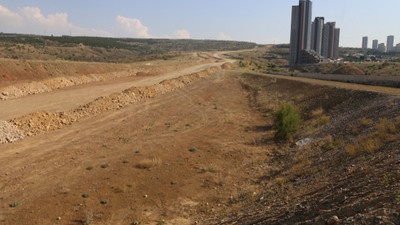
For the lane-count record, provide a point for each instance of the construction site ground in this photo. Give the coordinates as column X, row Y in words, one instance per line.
column 195, row 145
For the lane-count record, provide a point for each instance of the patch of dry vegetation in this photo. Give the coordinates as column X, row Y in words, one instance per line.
column 318, row 119
column 385, row 132
column 366, row 122
column 348, row 69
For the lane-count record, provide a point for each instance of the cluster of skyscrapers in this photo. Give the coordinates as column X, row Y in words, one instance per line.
column 389, row 47
column 311, row 42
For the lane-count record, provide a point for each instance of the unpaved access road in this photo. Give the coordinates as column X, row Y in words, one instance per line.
column 72, row 97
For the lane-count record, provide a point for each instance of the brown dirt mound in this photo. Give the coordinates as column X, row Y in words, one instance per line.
column 49, row 76
column 227, row 66
column 40, row 122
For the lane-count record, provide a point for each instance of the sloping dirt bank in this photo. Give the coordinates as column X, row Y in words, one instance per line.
column 345, row 170
column 20, row 78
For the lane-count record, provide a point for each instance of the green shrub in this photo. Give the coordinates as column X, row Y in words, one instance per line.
column 287, row 121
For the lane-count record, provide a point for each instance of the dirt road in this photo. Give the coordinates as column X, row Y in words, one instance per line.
column 72, row 97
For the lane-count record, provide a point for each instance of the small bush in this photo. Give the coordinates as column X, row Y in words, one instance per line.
column 242, row 64
column 287, row 121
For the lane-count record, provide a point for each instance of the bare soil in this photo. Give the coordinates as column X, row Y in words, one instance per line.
column 204, row 153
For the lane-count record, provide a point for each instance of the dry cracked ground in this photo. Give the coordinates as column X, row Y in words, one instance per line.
column 197, row 147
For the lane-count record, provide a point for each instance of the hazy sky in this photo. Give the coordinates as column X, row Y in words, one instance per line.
column 261, row 21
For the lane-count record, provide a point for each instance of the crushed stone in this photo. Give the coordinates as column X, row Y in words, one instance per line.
column 9, row 132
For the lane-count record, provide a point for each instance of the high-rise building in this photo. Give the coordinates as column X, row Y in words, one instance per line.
column 375, row 44
column 300, row 37
column 332, row 27
column 397, row 49
column 365, row 42
column 317, row 31
column 390, row 43
column 305, row 24
column 329, row 40
column 382, row 47
column 325, row 41
column 306, row 36
column 336, row 44
column 312, row 35
column 294, row 36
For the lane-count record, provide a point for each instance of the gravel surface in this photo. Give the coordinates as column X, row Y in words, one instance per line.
column 9, row 132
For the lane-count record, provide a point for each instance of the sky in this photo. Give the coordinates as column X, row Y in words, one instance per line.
column 260, row 21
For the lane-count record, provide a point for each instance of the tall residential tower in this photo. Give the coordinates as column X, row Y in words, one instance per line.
column 390, row 43
column 317, row 31
column 300, row 37
column 375, row 44
column 365, row 42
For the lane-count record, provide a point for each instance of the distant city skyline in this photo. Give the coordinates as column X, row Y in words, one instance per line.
column 388, row 45
column 263, row 22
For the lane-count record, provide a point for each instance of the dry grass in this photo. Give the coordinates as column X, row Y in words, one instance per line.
column 300, row 168
column 385, row 129
column 319, row 119
column 398, row 120
column 364, row 144
column 302, row 161
column 366, row 122
column 330, row 144
column 317, row 113
column 354, row 130
column 385, row 132
column 323, row 120
column 280, row 184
